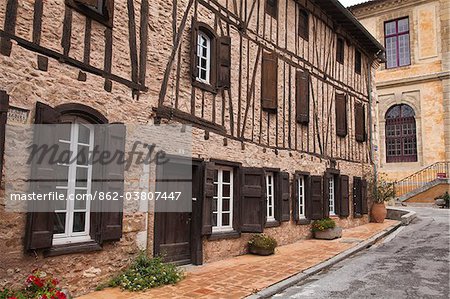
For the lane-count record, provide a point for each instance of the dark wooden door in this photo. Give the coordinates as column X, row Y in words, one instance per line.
column 174, row 231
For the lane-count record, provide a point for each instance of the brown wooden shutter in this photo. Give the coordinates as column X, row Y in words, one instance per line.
column 224, row 62
column 295, row 212
column 269, row 82
column 40, row 219
column 113, row 183
column 340, row 50
column 303, row 24
column 253, row 200
column 4, row 106
column 360, row 123
column 271, row 8
column 194, row 57
column 208, row 194
column 357, row 199
column 302, row 97
column 316, row 198
column 93, row 3
column 285, row 194
column 364, row 198
column 308, row 198
column 357, row 62
column 341, row 114
column 344, row 196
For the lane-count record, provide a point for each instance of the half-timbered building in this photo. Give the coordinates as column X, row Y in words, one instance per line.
column 278, row 93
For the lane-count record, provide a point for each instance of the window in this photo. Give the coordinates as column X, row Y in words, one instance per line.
column 396, row 39
column 357, row 62
column 340, row 50
column 401, row 142
column 222, row 218
column 301, row 197
column 303, row 24
column 203, row 58
column 72, row 216
column 99, row 10
column 331, row 195
column 271, row 8
column 270, row 194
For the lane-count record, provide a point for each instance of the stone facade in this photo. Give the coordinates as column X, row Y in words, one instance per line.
column 423, row 85
column 221, row 130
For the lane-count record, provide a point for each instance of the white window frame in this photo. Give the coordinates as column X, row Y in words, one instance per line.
column 220, row 183
column 331, row 195
column 301, row 197
column 201, row 35
column 69, row 236
column 270, row 194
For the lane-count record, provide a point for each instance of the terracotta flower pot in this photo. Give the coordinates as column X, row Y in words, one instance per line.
column 379, row 212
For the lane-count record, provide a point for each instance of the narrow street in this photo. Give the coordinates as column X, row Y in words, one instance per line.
column 413, row 262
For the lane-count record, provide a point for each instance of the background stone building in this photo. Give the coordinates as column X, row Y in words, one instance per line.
column 412, row 119
column 277, row 93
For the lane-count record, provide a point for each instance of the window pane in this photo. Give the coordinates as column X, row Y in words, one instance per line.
column 63, row 155
column 214, row 219
column 226, row 205
column 59, row 226
column 390, row 28
column 203, row 74
column 226, row 176
column 226, row 190
column 403, row 45
column 80, row 199
column 216, row 175
column 62, row 173
column 83, row 155
column 82, row 174
column 225, row 219
column 403, row 25
column 79, row 219
column 391, row 51
column 216, row 190
column 83, row 134
column 214, row 205
column 61, row 204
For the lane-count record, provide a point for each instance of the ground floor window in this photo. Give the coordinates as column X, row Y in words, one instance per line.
column 270, row 196
column 301, row 196
column 331, row 195
column 74, row 179
column 222, row 207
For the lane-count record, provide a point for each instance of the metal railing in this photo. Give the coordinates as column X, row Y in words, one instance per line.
column 438, row 170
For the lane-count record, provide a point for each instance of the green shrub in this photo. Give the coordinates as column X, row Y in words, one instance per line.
column 322, row 224
column 145, row 273
column 263, row 241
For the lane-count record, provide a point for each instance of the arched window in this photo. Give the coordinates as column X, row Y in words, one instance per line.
column 401, row 141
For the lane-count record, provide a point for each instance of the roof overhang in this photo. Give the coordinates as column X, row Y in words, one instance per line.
column 350, row 24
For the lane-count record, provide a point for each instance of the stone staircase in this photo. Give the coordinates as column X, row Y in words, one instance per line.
column 423, row 180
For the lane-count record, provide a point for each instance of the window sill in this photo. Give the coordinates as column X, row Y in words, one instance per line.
column 204, row 86
column 272, row 223
column 224, row 235
column 72, row 248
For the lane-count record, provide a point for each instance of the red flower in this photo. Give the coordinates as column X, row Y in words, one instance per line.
column 61, row 295
column 55, row 282
column 44, row 297
column 12, row 297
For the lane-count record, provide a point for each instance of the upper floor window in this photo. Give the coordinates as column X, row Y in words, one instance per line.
column 401, row 142
column 303, row 24
column 99, row 10
column 222, row 207
column 396, row 35
column 358, row 62
column 340, row 50
column 271, row 8
column 203, row 58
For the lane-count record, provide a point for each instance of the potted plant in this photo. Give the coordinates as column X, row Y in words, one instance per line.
column 326, row 229
column 443, row 201
column 262, row 244
column 383, row 191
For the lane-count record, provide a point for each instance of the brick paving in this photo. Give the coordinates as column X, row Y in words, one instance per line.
column 241, row 276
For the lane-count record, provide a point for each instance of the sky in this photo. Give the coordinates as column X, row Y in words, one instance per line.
column 351, row 2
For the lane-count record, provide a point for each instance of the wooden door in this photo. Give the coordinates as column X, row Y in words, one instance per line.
column 174, row 231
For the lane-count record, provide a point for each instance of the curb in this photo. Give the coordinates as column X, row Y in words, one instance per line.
column 400, row 214
column 295, row 279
